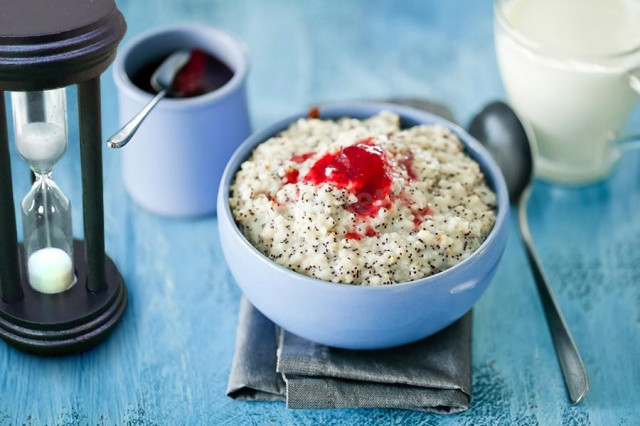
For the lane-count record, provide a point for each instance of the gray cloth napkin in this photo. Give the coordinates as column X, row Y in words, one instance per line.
column 271, row 364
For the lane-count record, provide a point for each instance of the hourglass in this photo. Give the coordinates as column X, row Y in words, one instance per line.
column 58, row 294
column 40, row 123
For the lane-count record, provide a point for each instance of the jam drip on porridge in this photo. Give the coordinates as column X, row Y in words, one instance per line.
column 418, row 217
column 291, row 176
column 353, row 235
column 362, row 169
column 407, row 163
column 302, row 157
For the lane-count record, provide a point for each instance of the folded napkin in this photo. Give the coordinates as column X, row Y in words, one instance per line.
column 271, row 364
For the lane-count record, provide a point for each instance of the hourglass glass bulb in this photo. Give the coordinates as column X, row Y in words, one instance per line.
column 41, row 145
column 40, row 127
column 40, row 124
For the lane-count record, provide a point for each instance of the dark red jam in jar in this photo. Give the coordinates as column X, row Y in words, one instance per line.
column 203, row 73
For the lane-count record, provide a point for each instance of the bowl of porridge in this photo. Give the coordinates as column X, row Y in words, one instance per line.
column 362, row 225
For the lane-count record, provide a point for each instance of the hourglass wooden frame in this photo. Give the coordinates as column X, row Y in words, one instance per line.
column 46, row 45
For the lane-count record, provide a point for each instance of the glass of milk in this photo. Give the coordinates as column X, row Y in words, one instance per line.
column 571, row 69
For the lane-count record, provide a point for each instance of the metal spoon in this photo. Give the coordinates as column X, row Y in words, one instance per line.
column 161, row 81
column 498, row 128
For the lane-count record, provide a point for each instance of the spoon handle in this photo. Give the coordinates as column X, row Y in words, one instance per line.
column 124, row 135
column 575, row 375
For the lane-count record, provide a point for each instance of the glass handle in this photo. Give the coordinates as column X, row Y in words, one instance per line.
column 634, row 79
column 628, row 143
column 631, row 142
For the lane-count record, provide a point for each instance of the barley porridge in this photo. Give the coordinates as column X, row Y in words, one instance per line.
column 363, row 201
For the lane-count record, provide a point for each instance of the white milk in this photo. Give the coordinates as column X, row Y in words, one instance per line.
column 565, row 65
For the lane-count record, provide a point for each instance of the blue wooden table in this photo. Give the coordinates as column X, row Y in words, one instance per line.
column 168, row 361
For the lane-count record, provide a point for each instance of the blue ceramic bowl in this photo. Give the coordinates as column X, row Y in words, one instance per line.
column 359, row 317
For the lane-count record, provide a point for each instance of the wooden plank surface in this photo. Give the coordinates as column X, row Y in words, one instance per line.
column 168, row 362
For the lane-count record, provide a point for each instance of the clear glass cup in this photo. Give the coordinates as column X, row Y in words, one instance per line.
column 576, row 104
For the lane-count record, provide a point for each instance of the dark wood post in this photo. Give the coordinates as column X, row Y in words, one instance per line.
column 9, row 257
column 89, row 116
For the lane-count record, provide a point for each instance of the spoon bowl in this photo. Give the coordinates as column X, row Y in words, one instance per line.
column 162, row 78
column 498, row 128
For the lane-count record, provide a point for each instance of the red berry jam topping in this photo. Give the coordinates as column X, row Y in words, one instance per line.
column 291, row 176
column 301, row 158
column 371, row 232
column 353, row 236
column 418, row 217
column 362, row 169
column 314, row 112
column 408, row 165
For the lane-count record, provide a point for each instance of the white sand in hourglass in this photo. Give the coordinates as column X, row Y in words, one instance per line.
column 41, row 143
column 50, row 270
